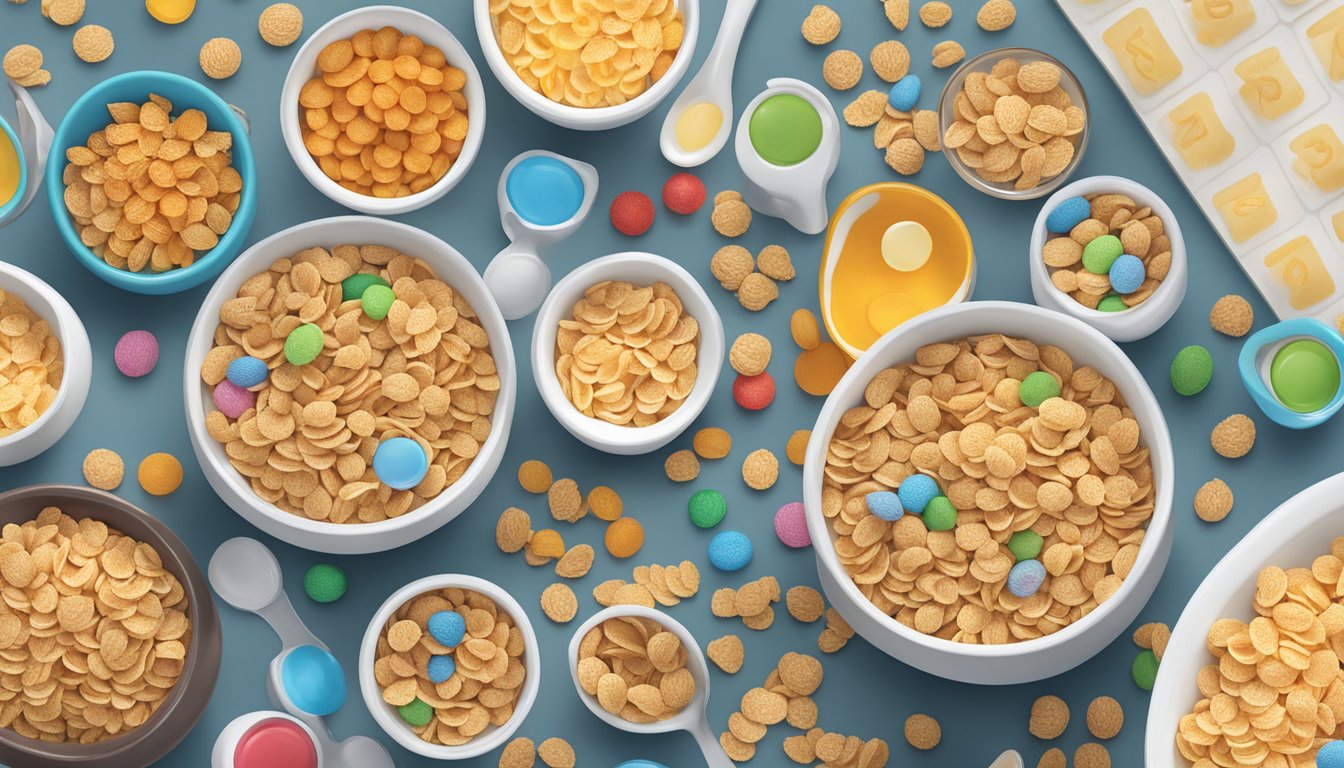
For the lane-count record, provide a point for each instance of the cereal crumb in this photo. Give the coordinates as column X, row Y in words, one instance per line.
column 947, row 53
column 1049, row 717
column 280, row 24
column 712, row 443
column 923, row 732
column 93, row 43
column 220, row 58
column 774, row 262
column 805, row 604
column 727, row 653
column 760, row 469
column 555, row 752
column 559, row 603
column 1213, row 501
column 1105, row 717
column 898, row 13
column 996, row 15
column 1234, row 436
column 749, row 354
column 103, row 469
column 1091, row 755
column 730, row 266
column 731, row 218
column 842, row 69
column 935, row 14
column 1232, row 315
column 821, row 26
column 682, row 466
column 890, row 60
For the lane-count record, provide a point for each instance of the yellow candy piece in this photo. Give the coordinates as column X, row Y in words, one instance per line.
column 1143, row 52
column 1217, row 21
column 698, row 125
column 9, row 169
column 906, row 246
column 1320, row 157
column 1198, row 132
column 1297, row 264
column 1327, row 39
column 1268, row 85
column 1246, row 208
column 170, row 11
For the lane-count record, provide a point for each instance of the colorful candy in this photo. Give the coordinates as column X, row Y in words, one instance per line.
column 354, row 286
column 1101, row 253
column 632, row 213
column 684, row 193
column 1026, row 578
column 136, row 353
column 400, row 463
column 1330, row 755
column 447, row 628
column 1144, row 670
column 939, row 514
column 170, row 11
column 1112, row 303
column 1191, row 370
column 1036, row 388
column 160, row 474
column 754, row 392
column 324, row 583
column 791, row 525
column 904, row 93
column 417, row 713
column 232, row 400
column 707, row 508
column 248, row 372
column 440, row 668
column 304, row 344
column 1068, row 214
column 1127, row 273
column 730, row 551
column 377, row 301
column 916, row 491
column 885, row 505
column 1025, row 544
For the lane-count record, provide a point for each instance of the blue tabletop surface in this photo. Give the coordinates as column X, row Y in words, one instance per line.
column 865, row 692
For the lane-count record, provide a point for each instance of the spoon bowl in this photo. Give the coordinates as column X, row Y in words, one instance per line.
column 713, row 84
column 245, row 574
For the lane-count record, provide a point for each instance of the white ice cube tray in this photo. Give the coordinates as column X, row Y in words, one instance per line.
column 1296, row 257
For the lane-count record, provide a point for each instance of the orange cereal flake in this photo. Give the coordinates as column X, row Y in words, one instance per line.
column 534, row 476
column 605, row 503
column 712, row 443
column 160, row 474
column 818, row 370
column 624, row 537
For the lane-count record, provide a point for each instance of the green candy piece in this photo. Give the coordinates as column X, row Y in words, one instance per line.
column 1191, row 370
column 1025, row 545
column 354, row 286
column 1036, row 388
column 1144, row 670
column 707, row 508
column 417, row 713
column 1101, row 253
column 377, row 300
column 324, row 583
column 939, row 514
column 303, row 344
column 1112, row 304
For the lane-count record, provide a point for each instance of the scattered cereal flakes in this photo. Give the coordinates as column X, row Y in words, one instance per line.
column 947, row 53
column 605, row 592
column 63, row 12
column 624, row 537
column 890, row 60
column 837, row 633
column 818, row 370
column 922, row 731
column 712, row 443
column 726, row 195
column 682, row 466
column 605, row 503
column 1234, row 436
column 639, row 668
column 160, row 474
column 559, row 603
column 93, row 43
column 280, row 24
column 803, row 712
column 513, row 530
column 546, row 545
column 1143, row 636
column 1232, row 315
column 730, row 266
column 1091, row 755
column 519, row 753
column 821, row 26
column 757, row 292
column 737, row 750
column 805, row 604
column 1105, row 717
column 804, row 329
column 996, row 15
column 1053, row 758
column 935, row 14
column 23, row 65
column 575, row 563
column 220, row 58
column 925, row 126
column 774, row 262
column 727, row 653
column 534, row 476
column 905, row 156
column 103, row 469
column 842, row 69
column 749, row 354
column 760, row 469
column 565, row 501
column 765, row 706
column 866, row 109
column 1161, row 636
column 1213, row 501
column 555, row 752
column 723, row 603
column 731, row 218
column 1049, row 718
column 898, row 13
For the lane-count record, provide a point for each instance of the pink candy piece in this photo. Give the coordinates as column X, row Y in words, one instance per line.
column 137, row 353
column 791, row 525
column 232, row 400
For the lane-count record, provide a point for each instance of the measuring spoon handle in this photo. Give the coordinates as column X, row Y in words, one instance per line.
column 715, row 757
column 723, row 56
column 291, row 630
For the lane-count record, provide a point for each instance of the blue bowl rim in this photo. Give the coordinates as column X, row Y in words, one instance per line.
column 13, row 203
column 204, row 267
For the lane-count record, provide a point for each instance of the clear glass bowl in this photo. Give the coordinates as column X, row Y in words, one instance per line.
column 947, row 115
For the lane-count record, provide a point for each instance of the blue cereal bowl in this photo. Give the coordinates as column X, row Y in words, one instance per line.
column 89, row 114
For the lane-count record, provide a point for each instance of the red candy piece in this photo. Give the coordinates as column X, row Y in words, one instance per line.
column 684, row 193
column 632, row 213
column 754, row 392
column 275, row 743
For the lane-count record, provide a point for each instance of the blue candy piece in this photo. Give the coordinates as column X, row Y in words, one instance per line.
column 441, row 668
column 729, row 551
column 447, row 628
column 1067, row 215
column 885, row 505
column 1026, row 577
column 313, row 680
column 1331, row 755
column 1127, row 274
column 904, row 93
column 916, row 491
column 400, row 463
column 248, row 372
column 640, row 764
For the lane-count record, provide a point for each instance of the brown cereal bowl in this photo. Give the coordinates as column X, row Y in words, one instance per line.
column 362, row 538
column 1032, row 659
column 386, row 715
column 187, row 700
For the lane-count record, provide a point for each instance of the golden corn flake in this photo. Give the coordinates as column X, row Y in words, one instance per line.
column 775, row 263
column 32, row 365
column 898, row 13
column 534, row 476
column 712, row 443
column 922, row 731
column 1234, row 436
column 757, row 292
column 220, row 58
column 605, row 503
column 890, row 60
column 1213, row 501
column 731, row 218
column 546, row 545
column 842, row 69
column 63, row 12
column 1049, row 718
column 804, row 329
column 555, row 752
column 731, row 264
column 996, row 15
column 1105, row 717
column 93, row 43
column 666, row 585
column 727, row 653
column 566, row 501
column 805, row 604
column 513, row 530
column 682, row 466
column 559, row 603
column 1091, row 755
column 760, row 469
column 22, row 61
column 821, row 26
column 518, row 753
column 866, row 110
column 280, row 24
column 905, row 156
column 635, row 669
column 104, row 469
column 1053, row 758
column 935, row 14
column 576, row 562
column 948, row 53
column 749, row 354
column 796, row 448
column 1232, row 315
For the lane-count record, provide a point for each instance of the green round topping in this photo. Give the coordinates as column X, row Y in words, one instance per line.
column 1025, row 545
column 1191, row 370
column 1304, row 375
column 303, row 344
column 324, row 583
column 707, row 508
column 940, row 515
column 354, row 286
column 1144, row 670
column 1101, row 253
column 377, row 300
column 417, row 713
column 1112, row 304
column 1036, row 388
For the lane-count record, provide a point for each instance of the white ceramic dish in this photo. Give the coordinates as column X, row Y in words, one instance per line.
column 355, row 538
column 1137, row 322
column 597, row 118
column 1292, row 536
column 1015, row 662
column 44, row 301
column 386, row 715
column 640, row 269
column 304, row 67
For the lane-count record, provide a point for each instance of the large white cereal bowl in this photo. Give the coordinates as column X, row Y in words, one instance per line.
column 77, row 358
column 350, row 538
column 640, row 269
column 304, row 67
column 1292, row 536
column 1015, row 662
column 386, row 715
column 596, row 118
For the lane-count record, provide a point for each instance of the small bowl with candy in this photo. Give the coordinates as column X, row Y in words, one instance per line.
column 1108, row 251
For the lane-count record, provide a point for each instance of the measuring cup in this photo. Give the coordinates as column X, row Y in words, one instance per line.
column 543, row 198
column 304, row 679
column 693, row 718
column 788, row 143
column 1292, row 371
column 698, row 124
column 1009, row 759
column 23, row 155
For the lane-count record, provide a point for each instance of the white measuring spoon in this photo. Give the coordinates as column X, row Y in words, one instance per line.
column 35, row 137
column 713, row 84
column 694, row 719
column 1009, row 759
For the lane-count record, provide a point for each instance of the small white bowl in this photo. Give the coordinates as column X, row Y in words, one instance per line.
column 1134, row 323
column 304, row 68
column 1292, row 536
column 76, row 355
column 386, row 715
column 1013, row 662
column 351, row 538
column 640, row 269
column 596, row 118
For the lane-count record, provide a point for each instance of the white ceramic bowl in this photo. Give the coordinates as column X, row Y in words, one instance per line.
column 1014, row 662
column 304, row 67
column 386, row 715
column 640, row 269
column 353, row 538
column 44, row 301
column 1292, row 536
column 1134, row 323
column 597, row 118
